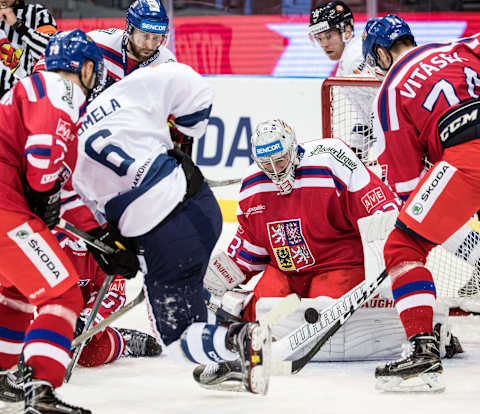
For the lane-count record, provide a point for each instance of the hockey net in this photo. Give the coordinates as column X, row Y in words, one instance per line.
column 457, row 282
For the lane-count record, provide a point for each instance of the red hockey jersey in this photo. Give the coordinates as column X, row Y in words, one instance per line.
column 419, row 88
column 40, row 118
column 314, row 228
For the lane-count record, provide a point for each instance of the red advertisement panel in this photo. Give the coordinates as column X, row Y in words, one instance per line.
column 274, row 45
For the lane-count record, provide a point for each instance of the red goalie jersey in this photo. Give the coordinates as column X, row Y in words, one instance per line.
column 314, row 228
column 419, row 88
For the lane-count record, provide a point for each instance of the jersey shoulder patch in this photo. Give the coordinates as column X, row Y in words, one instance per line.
column 333, row 151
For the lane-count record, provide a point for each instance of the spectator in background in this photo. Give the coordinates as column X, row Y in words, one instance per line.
column 24, row 33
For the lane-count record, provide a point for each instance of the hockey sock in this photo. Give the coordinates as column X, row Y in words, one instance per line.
column 103, row 350
column 414, row 294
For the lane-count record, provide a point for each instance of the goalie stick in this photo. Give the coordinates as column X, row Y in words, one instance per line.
column 330, row 320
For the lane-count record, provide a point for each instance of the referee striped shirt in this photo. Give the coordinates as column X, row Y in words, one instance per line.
column 38, row 25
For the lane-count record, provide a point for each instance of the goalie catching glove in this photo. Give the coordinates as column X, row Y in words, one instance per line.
column 222, row 274
column 123, row 261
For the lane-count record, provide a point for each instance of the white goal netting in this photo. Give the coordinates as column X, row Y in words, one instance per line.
column 457, row 282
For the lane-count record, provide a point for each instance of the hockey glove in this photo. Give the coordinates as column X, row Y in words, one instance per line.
column 80, row 326
column 180, row 141
column 222, row 274
column 45, row 205
column 123, row 261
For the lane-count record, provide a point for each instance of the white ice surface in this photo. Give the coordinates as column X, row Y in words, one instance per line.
column 158, row 385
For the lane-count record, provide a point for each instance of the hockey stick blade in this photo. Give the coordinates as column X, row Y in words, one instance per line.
column 327, row 326
column 221, row 313
column 221, row 183
column 107, row 321
column 87, row 238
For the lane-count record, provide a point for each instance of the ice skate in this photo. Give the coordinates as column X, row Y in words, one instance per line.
column 253, row 343
column 419, row 369
column 41, row 399
column 10, row 391
column 226, row 376
column 139, row 344
column 251, row 372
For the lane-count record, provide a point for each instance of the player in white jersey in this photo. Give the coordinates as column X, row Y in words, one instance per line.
column 157, row 198
column 331, row 27
column 141, row 44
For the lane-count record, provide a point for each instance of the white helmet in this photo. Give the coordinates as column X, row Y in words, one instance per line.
column 275, row 150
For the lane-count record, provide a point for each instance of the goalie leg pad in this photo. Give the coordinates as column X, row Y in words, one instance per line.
column 273, row 283
column 373, row 333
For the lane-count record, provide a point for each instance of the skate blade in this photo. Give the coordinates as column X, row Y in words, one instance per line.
column 260, row 360
column 228, row 386
column 428, row 382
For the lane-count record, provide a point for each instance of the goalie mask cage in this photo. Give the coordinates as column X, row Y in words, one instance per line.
column 457, row 282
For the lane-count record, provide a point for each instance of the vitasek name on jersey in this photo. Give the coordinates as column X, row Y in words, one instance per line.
column 424, row 70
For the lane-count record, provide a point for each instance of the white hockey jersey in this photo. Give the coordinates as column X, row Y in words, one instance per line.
column 123, row 171
column 117, row 63
column 352, row 63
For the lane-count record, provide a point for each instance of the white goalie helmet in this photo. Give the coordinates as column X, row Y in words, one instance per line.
column 275, row 150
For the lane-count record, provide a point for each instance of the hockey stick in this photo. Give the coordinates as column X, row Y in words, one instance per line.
column 221, row 313
column 329, row 321
column 87, row 334
column 87, row 238
column 107, row 321
column 93, row 314
column 221, row 183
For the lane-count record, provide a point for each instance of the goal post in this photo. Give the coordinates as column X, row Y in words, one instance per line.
column 457, row 282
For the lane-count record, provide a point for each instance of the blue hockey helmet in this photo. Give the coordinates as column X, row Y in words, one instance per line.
column 68, row 50
column 382, row 32
column 148, row 16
